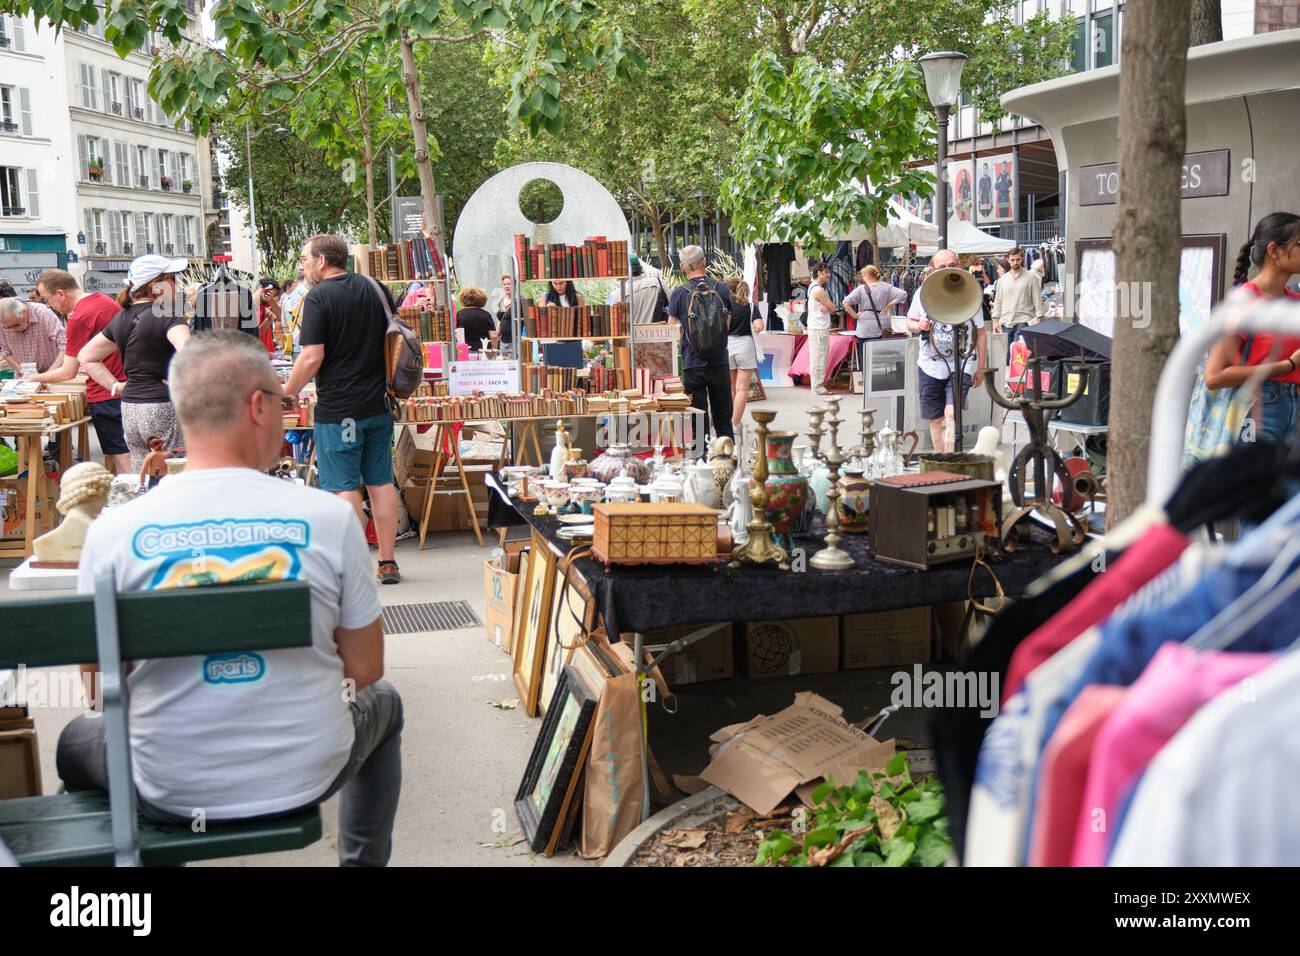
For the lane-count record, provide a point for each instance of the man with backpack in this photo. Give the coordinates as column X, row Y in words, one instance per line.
column 345, row 324
column 703, row 308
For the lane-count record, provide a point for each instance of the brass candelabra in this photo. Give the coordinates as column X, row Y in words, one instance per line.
column 832, row 557
column 761, row 548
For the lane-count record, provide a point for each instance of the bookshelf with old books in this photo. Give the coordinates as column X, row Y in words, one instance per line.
column 415, row 260
column 597, row 258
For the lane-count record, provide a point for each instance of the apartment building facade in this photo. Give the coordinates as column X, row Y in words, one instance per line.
column 112, row 175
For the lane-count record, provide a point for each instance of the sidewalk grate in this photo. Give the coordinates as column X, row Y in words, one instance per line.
column 435, row 616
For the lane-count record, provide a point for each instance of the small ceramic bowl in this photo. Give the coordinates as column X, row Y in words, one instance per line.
column 556, row 493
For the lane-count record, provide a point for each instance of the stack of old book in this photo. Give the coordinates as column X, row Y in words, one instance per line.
column 673, row 402
column 597, row 258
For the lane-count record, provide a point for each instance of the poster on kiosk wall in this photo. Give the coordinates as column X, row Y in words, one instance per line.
column 961, row 190
column 996, row 188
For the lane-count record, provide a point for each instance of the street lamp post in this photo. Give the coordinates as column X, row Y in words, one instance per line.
column 252, row 214
column 248, row 158
column 943, row 86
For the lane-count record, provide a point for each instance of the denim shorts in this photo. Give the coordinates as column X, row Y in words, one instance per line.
column 1279, row 404
column 356, row 452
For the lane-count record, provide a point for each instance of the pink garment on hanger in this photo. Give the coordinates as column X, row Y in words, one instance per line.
column 1143, row 561
column 1063, row 771
column 1175, row 685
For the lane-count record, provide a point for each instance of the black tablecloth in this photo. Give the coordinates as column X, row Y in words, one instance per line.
column 642, row 598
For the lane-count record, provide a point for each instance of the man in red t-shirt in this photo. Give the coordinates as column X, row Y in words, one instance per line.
column 88, row 313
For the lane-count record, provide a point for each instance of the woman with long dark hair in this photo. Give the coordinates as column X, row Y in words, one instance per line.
column 562, row 292
column 1274, row 249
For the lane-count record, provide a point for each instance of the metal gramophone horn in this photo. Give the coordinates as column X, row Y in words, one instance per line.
column 951, row 296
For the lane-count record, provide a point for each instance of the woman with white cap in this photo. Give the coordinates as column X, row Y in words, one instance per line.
column 149, row 330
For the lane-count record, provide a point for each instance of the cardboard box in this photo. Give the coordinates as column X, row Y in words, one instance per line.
column 886, row 638
column 500, row 589
column 710, row 658
column 763, row 761
column 787, row 648
column 448, row 512
column 20, row 764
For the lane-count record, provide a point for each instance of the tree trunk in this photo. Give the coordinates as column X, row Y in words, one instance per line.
column 657, row 231
column 1207, row 22
column 1148, row 217
column 420, row 132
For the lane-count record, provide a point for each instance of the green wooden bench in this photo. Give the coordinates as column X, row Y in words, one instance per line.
column 91, row 829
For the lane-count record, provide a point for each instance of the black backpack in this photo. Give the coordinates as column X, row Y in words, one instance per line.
column 707, row 321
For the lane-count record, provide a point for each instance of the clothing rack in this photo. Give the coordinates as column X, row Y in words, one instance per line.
column 1174, row 390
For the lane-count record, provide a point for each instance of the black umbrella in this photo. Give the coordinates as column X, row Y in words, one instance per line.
column 1054, row 339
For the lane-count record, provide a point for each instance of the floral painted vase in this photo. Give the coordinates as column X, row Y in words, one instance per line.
column 787, row 489
column 854, row 504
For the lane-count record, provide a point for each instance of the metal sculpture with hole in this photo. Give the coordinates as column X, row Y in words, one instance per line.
column 1034, row 408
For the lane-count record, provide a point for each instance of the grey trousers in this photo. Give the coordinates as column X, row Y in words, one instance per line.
column 371, row 780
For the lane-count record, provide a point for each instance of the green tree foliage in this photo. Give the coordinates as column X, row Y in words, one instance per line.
column 811, row 140
column 298, row 191
column 661, row 138
column 835, row 103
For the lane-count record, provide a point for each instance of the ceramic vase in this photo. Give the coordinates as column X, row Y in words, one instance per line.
column 619, row 460
column 819, row 484
column 853, row 506
column 700, row 487
column 787, row 489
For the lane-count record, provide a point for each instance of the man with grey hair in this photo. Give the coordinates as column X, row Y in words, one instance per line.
column 707, row 378
column 30, row 333
column 292, row 727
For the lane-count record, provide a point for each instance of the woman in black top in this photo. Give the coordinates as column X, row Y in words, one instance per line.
column 742, row 346
column 148, row 331
column 561, row 292
column 474, row 319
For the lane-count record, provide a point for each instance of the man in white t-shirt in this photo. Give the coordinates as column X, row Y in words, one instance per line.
column 934, row 365
column 285, row 729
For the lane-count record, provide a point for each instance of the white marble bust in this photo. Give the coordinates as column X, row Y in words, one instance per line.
column 83, row 491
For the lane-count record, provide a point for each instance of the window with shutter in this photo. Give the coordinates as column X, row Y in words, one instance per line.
column 25, row 110
column 90, row 229
column 103, row 72
column 33, row 200
column 128, row 233
column 147, row 228
column 114, row 232
column 141, row 234
column 83, row 148
column 88, row 86
column 20, row 40
column 123, row 172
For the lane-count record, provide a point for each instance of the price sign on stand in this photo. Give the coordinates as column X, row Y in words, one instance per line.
column 490, row 377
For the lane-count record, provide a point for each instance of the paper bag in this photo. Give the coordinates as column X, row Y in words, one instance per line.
column 613, row 785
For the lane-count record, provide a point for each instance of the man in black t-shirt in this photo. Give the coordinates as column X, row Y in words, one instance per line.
column 343, row 336
column 707, row 380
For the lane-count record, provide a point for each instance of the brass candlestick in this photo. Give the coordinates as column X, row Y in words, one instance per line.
column 761, row 548
column 868, row 446
column 832, row 557
column 815, row 432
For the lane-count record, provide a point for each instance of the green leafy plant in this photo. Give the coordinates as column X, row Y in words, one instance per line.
column 881, row 819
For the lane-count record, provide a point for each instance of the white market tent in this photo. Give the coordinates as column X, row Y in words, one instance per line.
column 965, row 239
column 900, row 229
